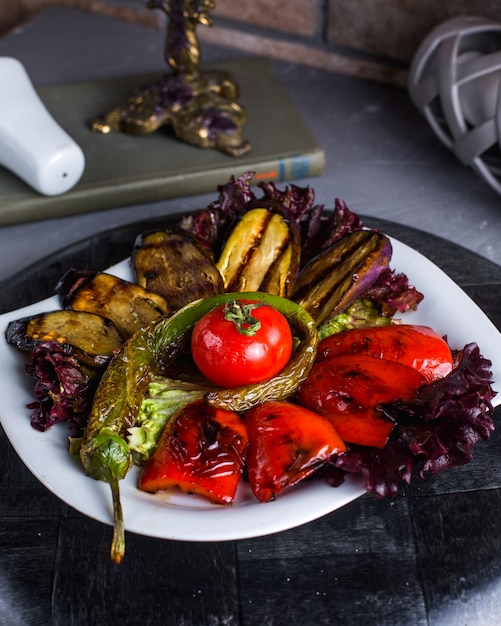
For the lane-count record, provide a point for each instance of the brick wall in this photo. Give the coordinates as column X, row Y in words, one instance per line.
column 372, row 39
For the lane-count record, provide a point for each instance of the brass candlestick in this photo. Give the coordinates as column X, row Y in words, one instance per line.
column 199, row 105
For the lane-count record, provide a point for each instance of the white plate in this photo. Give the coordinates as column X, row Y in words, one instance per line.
column 446, row 308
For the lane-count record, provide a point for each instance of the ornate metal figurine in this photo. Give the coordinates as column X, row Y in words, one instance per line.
column 199, row 105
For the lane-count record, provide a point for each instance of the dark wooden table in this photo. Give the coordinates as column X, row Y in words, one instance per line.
column 430, row 557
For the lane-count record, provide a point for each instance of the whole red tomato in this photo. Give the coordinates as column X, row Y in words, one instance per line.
column 241, row 342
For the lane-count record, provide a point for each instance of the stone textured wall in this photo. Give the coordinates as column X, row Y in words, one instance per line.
column 373, row 39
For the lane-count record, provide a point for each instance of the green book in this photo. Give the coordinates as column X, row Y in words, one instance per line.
column 123, row 170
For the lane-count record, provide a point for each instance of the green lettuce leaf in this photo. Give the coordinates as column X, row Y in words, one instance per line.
column 163, row 399
column 363, row 313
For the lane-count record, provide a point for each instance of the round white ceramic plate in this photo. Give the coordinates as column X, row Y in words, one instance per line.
column 446, row 308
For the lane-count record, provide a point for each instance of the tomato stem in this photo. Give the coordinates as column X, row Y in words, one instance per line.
column 240, row 313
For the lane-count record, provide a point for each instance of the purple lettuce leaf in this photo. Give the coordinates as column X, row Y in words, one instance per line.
column 64, row 388
column 317, row 229
column 393, row 293
column 299, row 201
column 210, row 225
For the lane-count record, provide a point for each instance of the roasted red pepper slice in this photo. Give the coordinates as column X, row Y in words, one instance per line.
column 347, row 389
column 287, row 443
column 419, row 347
column 201, row 450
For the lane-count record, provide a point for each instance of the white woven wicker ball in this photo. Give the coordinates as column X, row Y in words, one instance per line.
column 455, row 81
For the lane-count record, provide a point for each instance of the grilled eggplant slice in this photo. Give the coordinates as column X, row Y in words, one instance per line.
column 94, row 337
column 126, row 304
column 173, row 264
column 261, row 254
column 87, row 331
column 339, row 275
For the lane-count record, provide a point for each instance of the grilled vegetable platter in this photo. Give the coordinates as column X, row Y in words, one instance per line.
column 260, row 354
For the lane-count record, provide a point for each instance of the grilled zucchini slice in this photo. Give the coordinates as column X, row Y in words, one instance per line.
column 261, row 254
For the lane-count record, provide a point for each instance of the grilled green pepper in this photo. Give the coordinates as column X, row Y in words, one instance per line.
column 104, row 450
column 284, row 384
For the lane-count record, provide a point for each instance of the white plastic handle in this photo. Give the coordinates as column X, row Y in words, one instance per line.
column 32, row 145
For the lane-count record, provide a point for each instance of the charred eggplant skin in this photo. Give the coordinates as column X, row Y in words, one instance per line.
column 335, row 278
column 128, row 305
column 173, row 264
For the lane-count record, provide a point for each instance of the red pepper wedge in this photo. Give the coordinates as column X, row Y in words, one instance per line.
column 419, row 347
column 348, row 388
column 287, row 443
column 201, row 450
